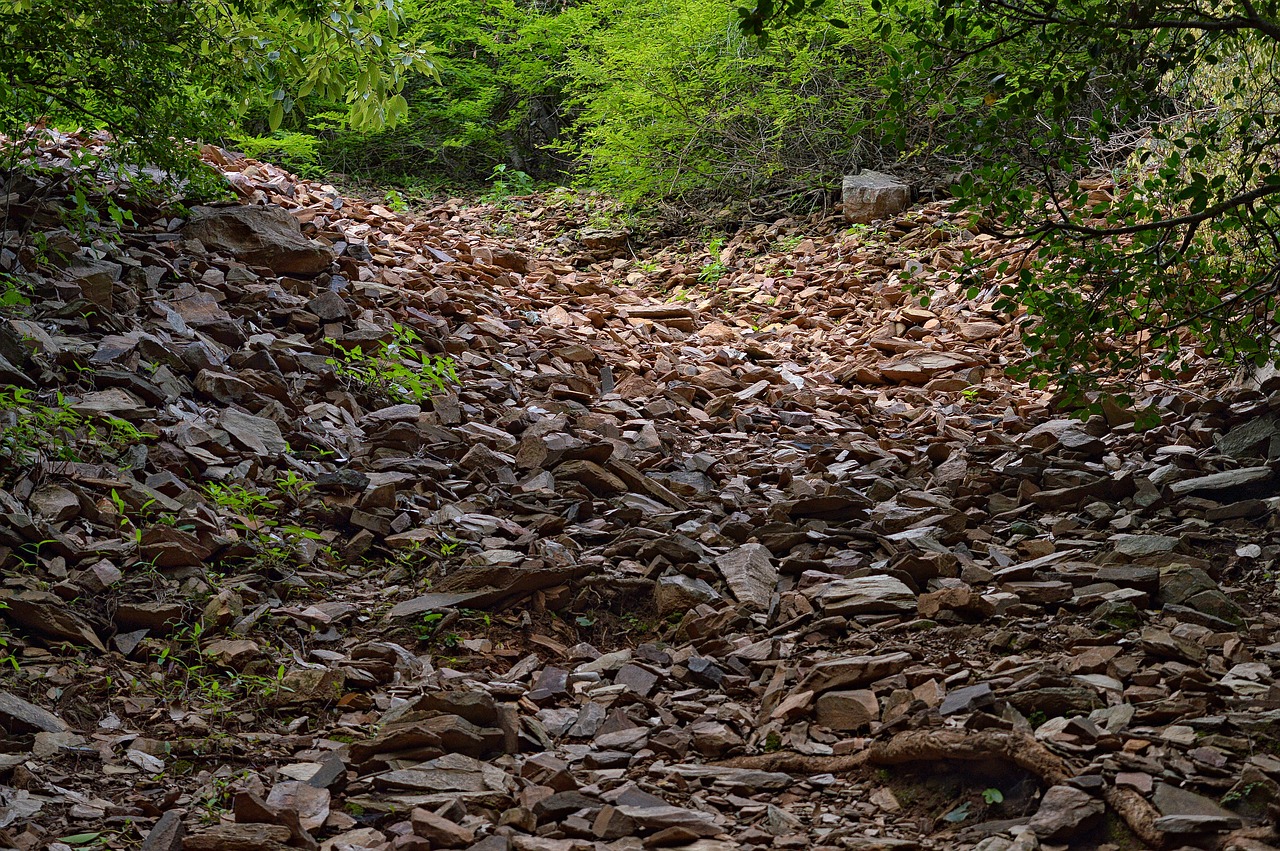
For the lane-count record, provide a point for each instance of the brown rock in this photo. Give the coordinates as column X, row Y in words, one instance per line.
column 439, row 830
column 262, row 235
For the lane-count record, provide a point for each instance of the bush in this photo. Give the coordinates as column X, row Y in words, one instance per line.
column 646, row 99
column 498, row 101
column 672, row 98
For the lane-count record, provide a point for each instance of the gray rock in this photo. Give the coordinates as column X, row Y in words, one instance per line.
column 867, row 595
column 262, row 235
column 259, row 434
column 1217, row 605
column 167, row 834
column 853, row 671
column 329, row 306
column 750, row 574
column 1178, row 586
column 96, row 278
column 651, row 819
column 1064, row 812
column 870, row 195
column 20, row 716
column 744, row 779
column 967, row 699
column 1249, row 437
column 478, row 707
column 1181, row 803
column 1218, row 484
column 1197, row 824
column 638, row 679
column 677, row 594
column 1143, row 545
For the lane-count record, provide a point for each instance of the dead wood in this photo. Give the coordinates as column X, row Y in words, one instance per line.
column 958, row 746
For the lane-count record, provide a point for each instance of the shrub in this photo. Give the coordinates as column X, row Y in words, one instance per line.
column 673, row 98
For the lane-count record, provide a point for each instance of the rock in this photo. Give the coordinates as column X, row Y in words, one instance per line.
column 847, row 711
column 1196, row 825
column 55, row 503
column 329, row 306
column 1179, row 586
column 441, row 832
column 478, row 707
column 750, row 574
column 866, row 595
column 740, row 779
column 308, row 803
column 677, row 594
column 853, row 671
column 870, row 195
column 1064, row 812
column 232, row 653
column 260, row 235
column 920, row 367
column 592, row 476
column 1183, row 811
column 1225, row 484
column 19, row 716
column 259, row 434
column 167, row 834
column 963, row 601
column 47, row 614
column 309, row 685
column 1143, row 545
column 239, row 837
column 96, row 279
column 967, row 699
column 53, row 745
column 650, row 819
column 1254, row 437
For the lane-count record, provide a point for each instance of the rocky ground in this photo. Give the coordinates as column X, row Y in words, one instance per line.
column 484, row 526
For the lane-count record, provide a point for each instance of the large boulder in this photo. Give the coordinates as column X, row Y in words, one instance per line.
column 261, row 236
column 870, row 195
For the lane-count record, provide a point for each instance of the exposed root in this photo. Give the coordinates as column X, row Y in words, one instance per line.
column 955, row 745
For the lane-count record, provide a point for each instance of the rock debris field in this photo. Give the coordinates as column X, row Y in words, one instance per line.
column 485, row 526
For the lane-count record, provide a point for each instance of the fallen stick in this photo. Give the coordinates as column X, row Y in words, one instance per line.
column 955, row 745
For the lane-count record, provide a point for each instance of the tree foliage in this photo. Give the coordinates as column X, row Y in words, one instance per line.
column 1132, row 147
column 158, row 73
column 1177, row 103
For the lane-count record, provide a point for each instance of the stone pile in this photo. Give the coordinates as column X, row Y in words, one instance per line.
column 701, row 552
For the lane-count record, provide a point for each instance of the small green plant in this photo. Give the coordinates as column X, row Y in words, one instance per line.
column 396, row 370
column 294, row 486
column 992, row 796
column 395, row 201
column 714, row 269
column 785, row 244
column 428, row 624
column 14, row 291
column 84, row 840
column 30, row 428
column 504, row 182
column 85, row 220
column 6, row 656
